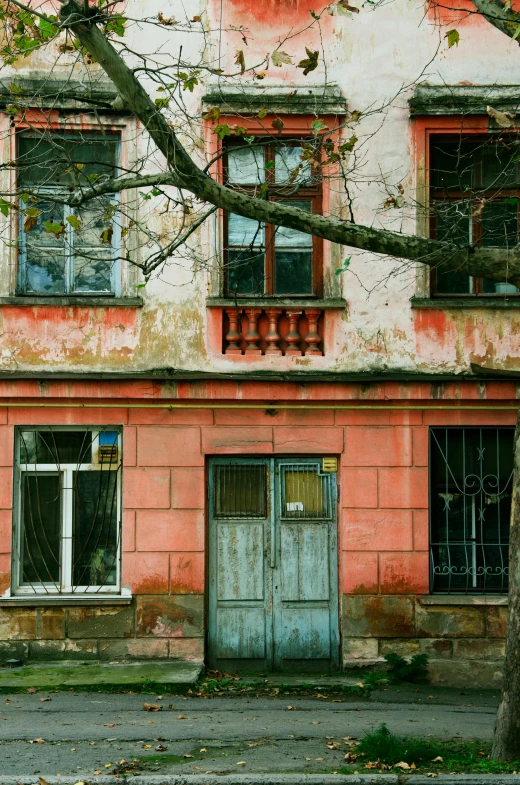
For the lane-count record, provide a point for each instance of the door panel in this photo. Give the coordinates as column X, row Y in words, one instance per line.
column 240, row 561
column 273, row 601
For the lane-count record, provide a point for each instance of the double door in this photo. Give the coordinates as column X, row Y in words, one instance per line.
column 273, row 593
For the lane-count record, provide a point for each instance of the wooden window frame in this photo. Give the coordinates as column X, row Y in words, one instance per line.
column 297, row 128
column 446, row 128
column 54, row 122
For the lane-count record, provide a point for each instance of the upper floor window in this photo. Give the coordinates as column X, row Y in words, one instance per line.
column 471, row 486
column 474, row 199
column 67, row 510
column 64, row 250
column 262, row 259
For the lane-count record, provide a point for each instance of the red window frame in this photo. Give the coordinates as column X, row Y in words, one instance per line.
column 426, row 130
column 297, row 128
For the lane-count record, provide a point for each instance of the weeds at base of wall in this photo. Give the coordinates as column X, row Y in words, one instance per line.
column 381, row 750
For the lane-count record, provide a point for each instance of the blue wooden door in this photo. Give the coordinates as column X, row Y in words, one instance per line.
column 273, row 594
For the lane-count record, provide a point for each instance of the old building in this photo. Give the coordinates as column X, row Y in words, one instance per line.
column 267, row 465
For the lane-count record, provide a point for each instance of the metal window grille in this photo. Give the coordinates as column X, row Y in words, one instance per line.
column 67, row 510
column 471, row 475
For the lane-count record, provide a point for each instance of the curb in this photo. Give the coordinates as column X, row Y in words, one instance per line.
column 215, row 779
column 460, row 779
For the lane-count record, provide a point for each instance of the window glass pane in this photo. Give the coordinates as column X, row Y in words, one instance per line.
column 244, row 231
column 292, row 237
column 499, row 222
column 245, row 272
column 293, row 272
column 498, row 166
column 240, row 491
column 45, row 271
column 95, row 218
column 60, row 160
column 40, row 528
column 246, row 165
column 92, row 270
column 56, row 447
column 453, row 283
column 95, row 540
column 496, row 287
column 289, row 167
column 37, row 237
column 304, row 493
column 471, row 487
column 452, row 165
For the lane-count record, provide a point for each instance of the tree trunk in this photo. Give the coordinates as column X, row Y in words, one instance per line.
column 506, row 744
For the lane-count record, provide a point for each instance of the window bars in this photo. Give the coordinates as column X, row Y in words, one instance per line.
column 67, row 510
column 471, row 473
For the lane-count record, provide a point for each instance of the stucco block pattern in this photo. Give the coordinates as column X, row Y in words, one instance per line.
column 146, row 488
column 187, row 573
column 188, row 488
column 359, row 488
column 377, row 530
column 171, row 530
column 169, row 446
column 378, row 446
column 359, row 573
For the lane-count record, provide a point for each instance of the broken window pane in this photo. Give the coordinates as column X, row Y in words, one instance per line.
column 240, row 491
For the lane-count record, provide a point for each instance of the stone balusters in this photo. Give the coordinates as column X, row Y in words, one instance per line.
column 269, row 339
column 272, row 338
column 252, row 336
column 293, row 337
column 313, row 338
column 233, row 337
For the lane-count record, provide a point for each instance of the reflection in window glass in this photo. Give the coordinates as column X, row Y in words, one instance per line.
column 246, row 165
column 95, row 542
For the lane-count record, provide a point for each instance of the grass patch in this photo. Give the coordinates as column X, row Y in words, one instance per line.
column 381, row 750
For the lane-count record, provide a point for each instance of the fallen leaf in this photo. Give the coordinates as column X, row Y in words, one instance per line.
column 42, row 700
column 42, row 781
column 36, row 741
column 146, row 746
column 161, row 748
column 98, row 771
column 401, row 765
column 241, row 763
column 291, row 708
column 109, row 724
column 107, row 765
column 431, row 774
column 349, row 757
column 151, row 707
column 181, row 717
column 188, row 756
column 203, row 749
column 438, row 759
column 32, row 690
column 319, row 758
column 319, row 695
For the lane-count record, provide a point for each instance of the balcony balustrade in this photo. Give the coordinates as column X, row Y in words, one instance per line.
column 282, row 331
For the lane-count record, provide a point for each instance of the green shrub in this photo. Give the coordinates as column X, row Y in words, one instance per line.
column 412, row 670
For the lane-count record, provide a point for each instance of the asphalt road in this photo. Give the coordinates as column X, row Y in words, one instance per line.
column 84, row 733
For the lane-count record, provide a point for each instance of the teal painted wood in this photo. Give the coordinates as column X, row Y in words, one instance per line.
column 273, row 582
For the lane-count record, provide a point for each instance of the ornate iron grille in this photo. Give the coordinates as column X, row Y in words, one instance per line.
column 471, row 473
column 68, row 510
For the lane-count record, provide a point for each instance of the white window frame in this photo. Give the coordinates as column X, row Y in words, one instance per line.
column 64, row 586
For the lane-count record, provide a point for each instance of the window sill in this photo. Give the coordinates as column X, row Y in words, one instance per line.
column 463, row 599
column 443, row 303
column 85, row 301
column 39, row 600
column 325, row 304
